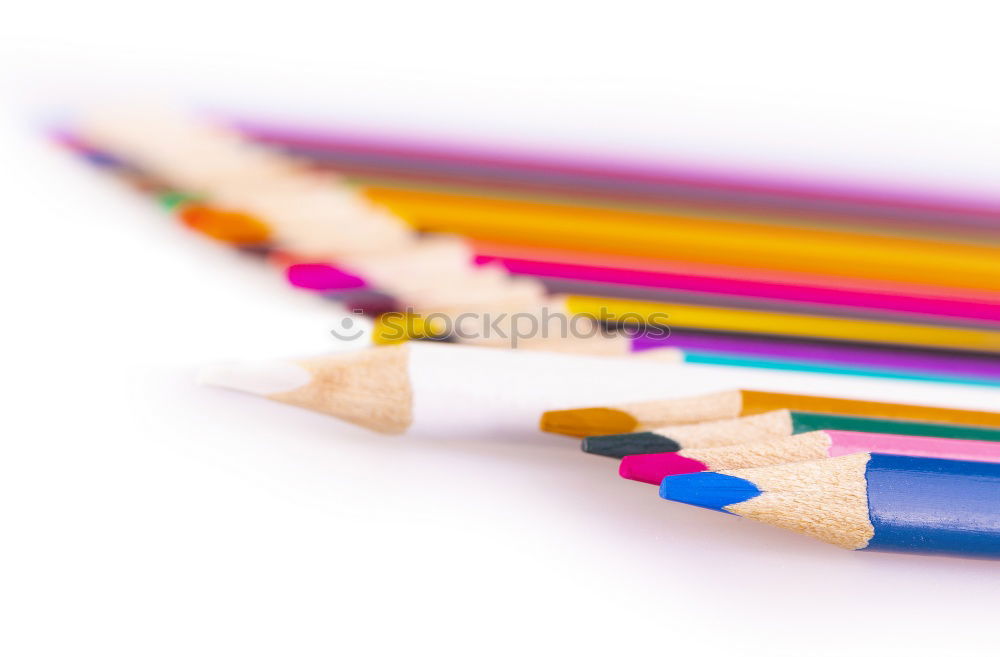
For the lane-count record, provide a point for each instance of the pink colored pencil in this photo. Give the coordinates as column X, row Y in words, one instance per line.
column 652, row 468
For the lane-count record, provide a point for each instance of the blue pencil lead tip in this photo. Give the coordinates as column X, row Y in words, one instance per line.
column 710, row 490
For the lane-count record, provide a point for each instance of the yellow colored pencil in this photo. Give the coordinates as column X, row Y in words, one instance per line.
column 691, row 239
column 712, row 318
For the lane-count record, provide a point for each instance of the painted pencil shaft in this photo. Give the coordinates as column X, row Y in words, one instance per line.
column 652, row 468
column 862, row 501
column 769, row 426
column 736, row 294
column 872, row 357
column 736, row 288
column 818, row 285
column 726, row 242
column 802, row 422
column 788, row 324
column 639, row 416
column 418, row 162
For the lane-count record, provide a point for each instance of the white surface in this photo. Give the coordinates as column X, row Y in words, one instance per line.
column 144, row 515
column 256, row 378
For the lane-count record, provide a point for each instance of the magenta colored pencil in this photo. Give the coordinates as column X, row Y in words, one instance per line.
column 652, row 468
column 320, row 277
column 875, row 301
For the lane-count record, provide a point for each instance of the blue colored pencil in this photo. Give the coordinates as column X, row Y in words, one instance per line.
column 862, row 501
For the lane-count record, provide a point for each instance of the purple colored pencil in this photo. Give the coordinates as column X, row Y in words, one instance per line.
column 629, row 180
column 918, row 361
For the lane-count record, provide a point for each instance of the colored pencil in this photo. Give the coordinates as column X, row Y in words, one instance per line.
column 411, row 286
column 634, row 281
column 900, row 360
column 796, row 325
column 639, row 416
column 770, row 426
column 652, row 468
column 326, row 277
column 831, row 284
column 828, row 357
column 441, row 390
column 885, row 224
column 862, row 501
column 784, row 248
column 618, row 180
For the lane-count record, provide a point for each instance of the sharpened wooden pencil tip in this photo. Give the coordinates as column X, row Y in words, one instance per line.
column 588, row 421
column 369, row 387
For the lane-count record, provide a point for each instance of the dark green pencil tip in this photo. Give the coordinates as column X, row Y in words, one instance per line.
column 622, row 444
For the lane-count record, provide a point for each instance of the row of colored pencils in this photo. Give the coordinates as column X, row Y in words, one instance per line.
column 742, row 273
column 859, row 474
column 770, row 274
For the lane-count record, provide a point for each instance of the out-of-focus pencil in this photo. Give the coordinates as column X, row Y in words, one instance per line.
column 412, row 163
column 636, row 282
column 652, row 468
column 784, row 248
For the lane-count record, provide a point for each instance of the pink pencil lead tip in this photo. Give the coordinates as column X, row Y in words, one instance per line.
column 652, row 468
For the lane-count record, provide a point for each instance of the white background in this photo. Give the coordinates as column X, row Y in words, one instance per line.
column 142, row 515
